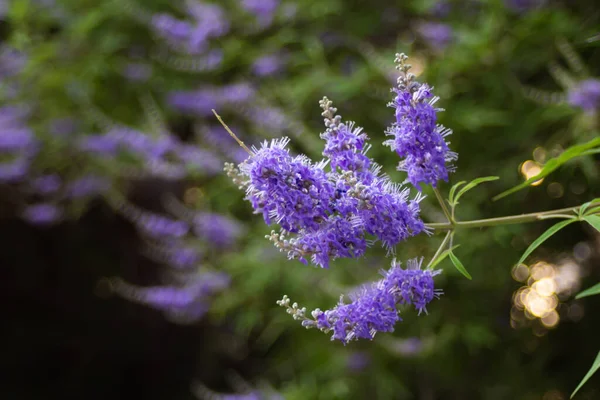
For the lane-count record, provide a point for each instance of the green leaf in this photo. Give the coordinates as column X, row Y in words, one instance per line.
column 442, row 256
column 593, row 220
column 453, row 189
column 589, row 374
column 474, row 183
column 552, row 164
column 585, row 206
column 589, row 292
column 459, row 266
column 537, row 242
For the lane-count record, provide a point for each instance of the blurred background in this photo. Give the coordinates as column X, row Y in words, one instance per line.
column 132, row 268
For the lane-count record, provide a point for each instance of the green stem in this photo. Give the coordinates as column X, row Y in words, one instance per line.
column 508, row 220
column 441, row 248
column 442, row 202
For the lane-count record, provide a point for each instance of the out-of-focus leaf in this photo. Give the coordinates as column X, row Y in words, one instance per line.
column 537, row 242
column 593, row 220
column 589, row 374
column 552, row 165
column 589, row 292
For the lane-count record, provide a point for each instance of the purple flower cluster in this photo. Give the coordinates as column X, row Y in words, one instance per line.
column 373, row 308
column 266, row 65
column 182, row 303
column 585, row 95
column 522, row 6
column 202, row 101
column 416, row 135
column 334, row 214
column 206, row 21
column 436, row 34
column 263, row 10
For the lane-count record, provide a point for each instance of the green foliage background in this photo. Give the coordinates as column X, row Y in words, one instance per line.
column 344, row 50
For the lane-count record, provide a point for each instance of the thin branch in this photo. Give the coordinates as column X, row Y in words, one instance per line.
column 233, row 135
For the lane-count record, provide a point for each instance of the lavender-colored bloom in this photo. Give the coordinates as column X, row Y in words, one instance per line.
column 358, row 361
column 106, row 145
column 217, row 229
column 269, row 118
column 337, row 237
column 437, row 35
column 171, row 28
column 237, row 93
column 374, row 308
column 137, row 71
column 416, row 135
column 195, row 157
column 159, row 226
column 15, row 169
column 200, row 102
column 46, row 184
column 42, row 214
column 288, row 190
column 15, row 138
column 88, row 185
column 267, row 65
column 218, row 137
column 264, row 10
column 585, row 95
column 186, row 303
column 344, row 146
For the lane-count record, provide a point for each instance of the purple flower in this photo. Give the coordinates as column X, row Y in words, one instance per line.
column 88, row 185
column 436, row 34
column 237, row 93
column 441, row 9
column 42, row 214
column 46, row 184
column 264, row 10
column 159, row 226
column 345, row 147
column 14, row 170
column 200, row 102
column 184, row 303
column 267, row 65
column 99, row 144
column 11, row 62
column 15, row 138
column 195, row 157
column 288, row 190
column 171, row 28
column 217, row 229
column 373, row 308
column 416, row 135
column 358, row 361
column 585, row 95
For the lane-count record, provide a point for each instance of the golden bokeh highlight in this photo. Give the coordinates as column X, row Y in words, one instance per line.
column 529, row 169
column 546, row 283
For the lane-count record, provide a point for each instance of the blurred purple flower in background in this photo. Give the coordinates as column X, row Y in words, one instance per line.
column 357, row 361
column 267, row 65
column 437, row 35
column 42, row 214
column 264, row 10
column 63, row 127
column 88, row 185
column 217, row 229
column 441, row 9
column 46, row 184
column 11, row 62
column 585, row 95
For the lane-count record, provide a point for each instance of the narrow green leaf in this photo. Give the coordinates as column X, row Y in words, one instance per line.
column 453, row 190
column 587, row 205
column 537, row 242
column 593, row 220
column 474, row 183
column 553, row 164
column 442, row 256
column 459, row 266
column 589, row 292
column 589, row 374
